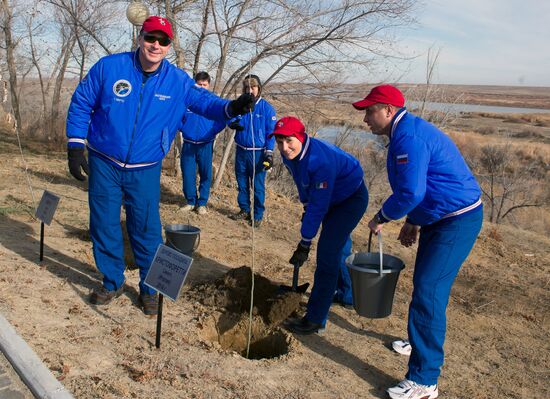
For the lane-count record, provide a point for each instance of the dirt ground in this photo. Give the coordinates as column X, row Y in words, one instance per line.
column 497, row 342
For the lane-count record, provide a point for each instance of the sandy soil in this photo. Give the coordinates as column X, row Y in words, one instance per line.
column 497, row 345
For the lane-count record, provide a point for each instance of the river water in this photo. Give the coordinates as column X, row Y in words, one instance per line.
column 362, row 136
column 433, row 106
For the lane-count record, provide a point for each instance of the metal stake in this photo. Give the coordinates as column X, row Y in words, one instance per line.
column 41, row 241
column 159, row 320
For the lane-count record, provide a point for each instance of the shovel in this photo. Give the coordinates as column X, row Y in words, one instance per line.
column 295, row 287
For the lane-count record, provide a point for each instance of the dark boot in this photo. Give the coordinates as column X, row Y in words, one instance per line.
column 102, row 297
column 242, row 215
column 149, row 303
column 303, row 326
column 257, row 223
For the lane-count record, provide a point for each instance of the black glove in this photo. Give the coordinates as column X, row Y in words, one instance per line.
column 77, row 160
column 242, row 105
column 300, row 255
column 268, row 160
column 235, row 125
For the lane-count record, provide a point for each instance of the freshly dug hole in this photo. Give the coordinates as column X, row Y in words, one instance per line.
column 229, row 322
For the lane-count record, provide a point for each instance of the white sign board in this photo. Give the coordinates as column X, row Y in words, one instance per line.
column 168, row 271
column 46, row 207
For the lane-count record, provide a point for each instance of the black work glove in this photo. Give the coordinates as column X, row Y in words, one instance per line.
column 268, row 160
column 300, row 255
column 77, row 160
column 242, row 105
column 235, row 125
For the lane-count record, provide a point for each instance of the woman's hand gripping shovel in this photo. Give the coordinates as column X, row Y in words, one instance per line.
column 298, row 259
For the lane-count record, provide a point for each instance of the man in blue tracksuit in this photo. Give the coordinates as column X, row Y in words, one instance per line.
column 331, row 188
column 198, row 135
column 127, row 111
column 254, row 155
column 434, row 188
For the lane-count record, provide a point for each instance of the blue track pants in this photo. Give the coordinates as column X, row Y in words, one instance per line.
column 442, row 249
column 344, row 293
column 246, row 161
column 338, row 224
column 140, row 190
column 193, row 155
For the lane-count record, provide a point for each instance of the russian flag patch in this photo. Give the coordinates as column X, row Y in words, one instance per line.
column 323, row 184
column 402, row 159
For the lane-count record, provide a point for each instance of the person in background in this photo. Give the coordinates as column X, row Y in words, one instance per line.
column 331, row 188
column 198, row 135
column 126, row 111
column 437, row 193
column 254, row 155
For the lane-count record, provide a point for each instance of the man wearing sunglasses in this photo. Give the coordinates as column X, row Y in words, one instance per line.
column 126, row 111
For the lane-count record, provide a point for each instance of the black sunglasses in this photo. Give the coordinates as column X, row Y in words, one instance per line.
column 163, row 40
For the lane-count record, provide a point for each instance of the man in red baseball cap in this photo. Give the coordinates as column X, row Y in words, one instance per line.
column 380, row 105
column 435, row 190
column 154, row 40
column 126, row 112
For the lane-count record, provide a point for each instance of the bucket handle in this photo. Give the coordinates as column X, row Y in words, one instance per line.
column 197, row 243
column 381, row 255
column 379, row 248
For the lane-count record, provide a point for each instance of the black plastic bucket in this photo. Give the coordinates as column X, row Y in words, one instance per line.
column 182, row 237
column 373, row 286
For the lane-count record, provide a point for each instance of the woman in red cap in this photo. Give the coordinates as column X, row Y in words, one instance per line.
column 331, row 188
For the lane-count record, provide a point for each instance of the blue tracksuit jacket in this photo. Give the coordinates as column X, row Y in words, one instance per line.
column 325, row 175
column 262, row 124
column 197, row 129
column 428, row 176
column 131, row 120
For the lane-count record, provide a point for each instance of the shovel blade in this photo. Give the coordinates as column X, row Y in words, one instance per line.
column 301, row 289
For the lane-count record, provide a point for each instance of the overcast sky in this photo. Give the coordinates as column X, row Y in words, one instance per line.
column 500, row 42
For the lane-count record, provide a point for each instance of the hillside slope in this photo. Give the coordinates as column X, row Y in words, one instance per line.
column 497, row 345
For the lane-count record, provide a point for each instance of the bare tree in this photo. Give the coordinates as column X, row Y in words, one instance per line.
column 35, row 56
column 299, row 40
column 431, row 92
column 6, row 21
column 506, row 183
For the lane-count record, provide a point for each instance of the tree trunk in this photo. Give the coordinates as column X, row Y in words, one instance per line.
column 56, row 99
column 10, row 59
column 202, row 37
column 170, row 162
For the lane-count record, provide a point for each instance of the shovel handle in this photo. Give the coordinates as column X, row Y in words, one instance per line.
column 295, row 277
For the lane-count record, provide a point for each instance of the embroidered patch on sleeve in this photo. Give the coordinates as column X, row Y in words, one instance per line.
column 402, row 159
column 323, row 184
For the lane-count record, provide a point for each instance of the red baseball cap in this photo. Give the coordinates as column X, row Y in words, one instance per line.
column 383, row 94
column 290, row 126
column 155, row 23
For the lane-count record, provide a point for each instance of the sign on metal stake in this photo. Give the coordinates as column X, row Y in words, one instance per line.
column 45, row 211
column 167, row 275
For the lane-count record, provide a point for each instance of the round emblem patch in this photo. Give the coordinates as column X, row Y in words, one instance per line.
column 122, row 88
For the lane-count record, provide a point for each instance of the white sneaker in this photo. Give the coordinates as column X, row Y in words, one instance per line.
column 187, row 208
column 408, row 389
column 201, row 210
column 402, row 346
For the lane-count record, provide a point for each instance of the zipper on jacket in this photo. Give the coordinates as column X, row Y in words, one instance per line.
column 144, row 79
